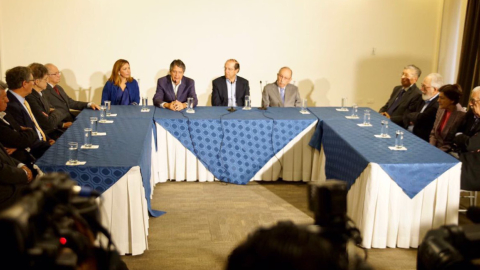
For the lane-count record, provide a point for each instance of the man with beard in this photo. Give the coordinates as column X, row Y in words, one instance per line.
column 420, row 121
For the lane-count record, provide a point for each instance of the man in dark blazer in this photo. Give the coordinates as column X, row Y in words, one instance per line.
column 467, row 143
column 403, row 97
column 59, row 99
column 20, row 82
column 420, row 121
column 230, row 86
column 20, row 142
column 49, row 120
column 174, row 89
column 14, row 176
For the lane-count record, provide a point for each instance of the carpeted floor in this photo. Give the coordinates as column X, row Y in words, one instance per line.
column 205, row 221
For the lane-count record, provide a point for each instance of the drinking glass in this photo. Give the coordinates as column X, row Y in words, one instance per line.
column 93, row 125
column 87, row 137
column 107, row 107
column 73, row 152
column 102, row 113
column 354, row 110
column 366, row 117
column 190, row 105
column 304, row 105
column 344, row 100
column 399, row 139
column 248, row 104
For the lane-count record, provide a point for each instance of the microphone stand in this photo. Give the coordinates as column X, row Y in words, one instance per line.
column 232, row 107
column 263, row 105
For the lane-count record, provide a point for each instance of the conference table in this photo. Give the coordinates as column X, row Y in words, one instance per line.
column 394, row 196
column 234, row 147
column 120, row 169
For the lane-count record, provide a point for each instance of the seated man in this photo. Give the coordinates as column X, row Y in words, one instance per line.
column 59, row 99
column 230, row 87
column 403, row 97
column 49, row 120
column 174, row 89
column 281, row 93
column 420, row 121
column 13, row 177
column 20, row 81
column 20, row 142
column 467, row 143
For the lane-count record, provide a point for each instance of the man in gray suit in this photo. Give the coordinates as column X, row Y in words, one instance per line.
column 281, row 93
column 59, row 99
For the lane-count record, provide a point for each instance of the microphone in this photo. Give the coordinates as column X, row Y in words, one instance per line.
column 232, row 108
column 263, row 105
column 85, row 191
column 473, row 213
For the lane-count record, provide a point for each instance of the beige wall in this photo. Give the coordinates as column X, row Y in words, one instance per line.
column 327, row 43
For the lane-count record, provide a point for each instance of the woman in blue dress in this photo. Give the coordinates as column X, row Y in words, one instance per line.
column 121, row 88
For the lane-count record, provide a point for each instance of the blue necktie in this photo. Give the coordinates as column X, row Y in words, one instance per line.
column 282, row 94
column 396, row 102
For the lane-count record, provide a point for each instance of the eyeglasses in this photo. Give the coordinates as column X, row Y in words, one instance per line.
column 282, row 77
column 425, row 87
column 473, row 101
column 58, row 73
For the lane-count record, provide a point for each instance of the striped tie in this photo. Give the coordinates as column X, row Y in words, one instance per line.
column 44, row 138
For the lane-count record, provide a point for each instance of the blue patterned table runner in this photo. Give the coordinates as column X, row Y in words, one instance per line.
column 234, row 146
column 127, row 144
column 349, row 148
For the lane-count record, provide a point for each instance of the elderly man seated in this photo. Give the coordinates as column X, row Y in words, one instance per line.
column 467, row 143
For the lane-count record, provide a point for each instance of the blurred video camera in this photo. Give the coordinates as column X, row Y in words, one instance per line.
column 328, row 201
column 54, row 226
column 452, row 246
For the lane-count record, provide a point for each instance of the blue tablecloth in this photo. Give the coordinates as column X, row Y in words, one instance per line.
column 234, row 146
column 349, row 148
column 127, row 144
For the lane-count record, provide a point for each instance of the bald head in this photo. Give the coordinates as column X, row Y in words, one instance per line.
column 284, row 76
column 53, row 74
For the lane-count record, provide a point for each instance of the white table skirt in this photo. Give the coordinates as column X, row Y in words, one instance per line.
column 386, row 216
column 175, row 162
column 124, row 210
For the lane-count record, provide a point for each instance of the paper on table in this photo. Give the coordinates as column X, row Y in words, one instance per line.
column 112, row 115
column 352, row 117
column 90, row 147
column 342, row 110
column 382, row 137
column 393, row 148
column 363, row 125
column 100, row 134
column 305, row 112
column 105, row 121
column 75, row 164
